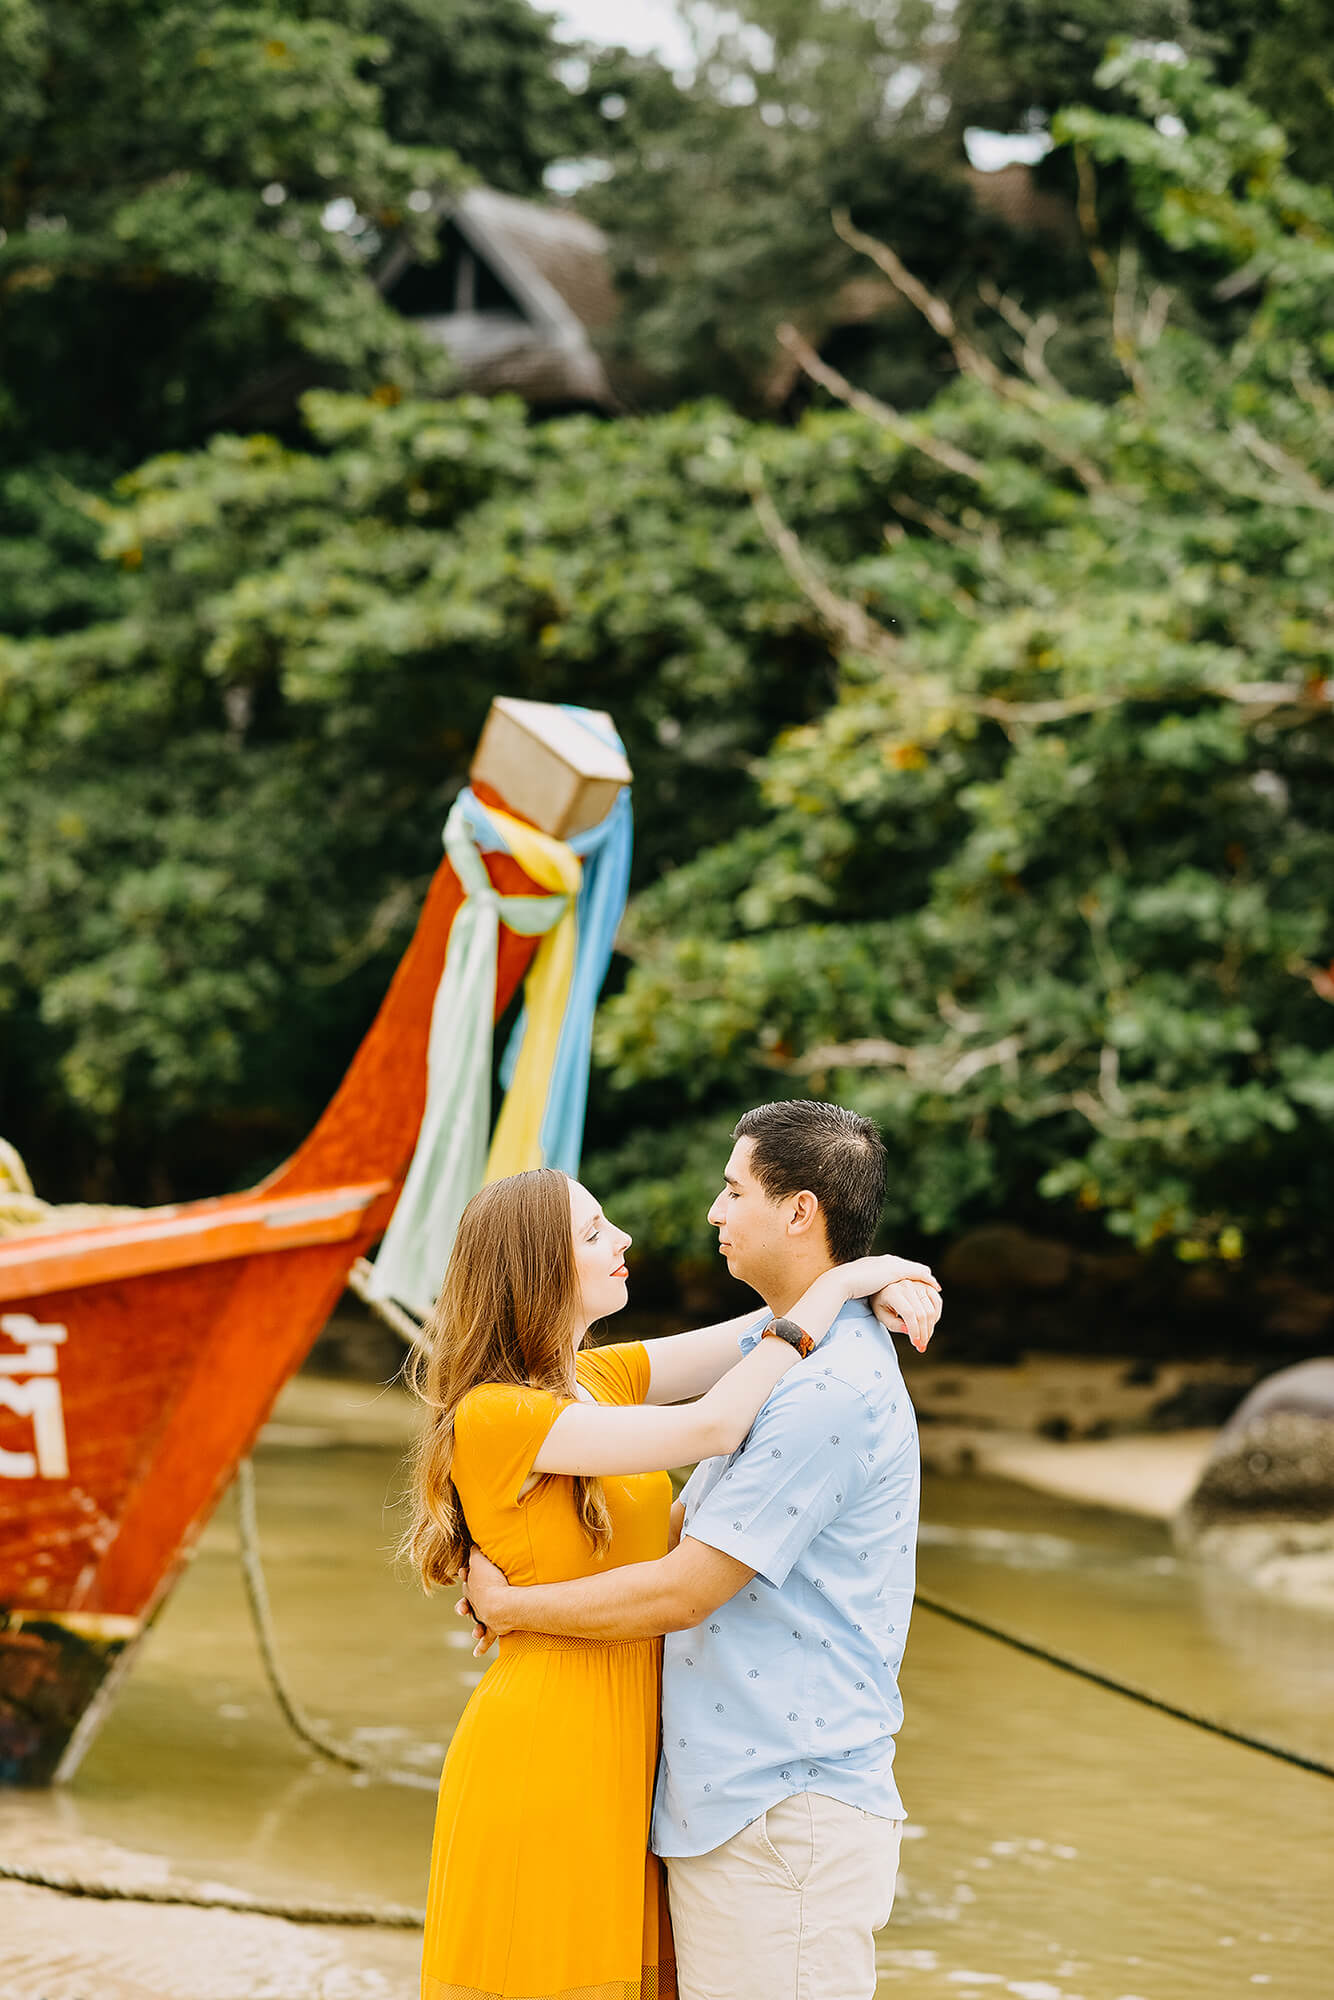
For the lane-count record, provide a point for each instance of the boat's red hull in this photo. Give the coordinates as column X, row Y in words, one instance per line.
column 139, row 1358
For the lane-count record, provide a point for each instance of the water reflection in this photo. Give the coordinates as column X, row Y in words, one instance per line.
column 1065, row 1845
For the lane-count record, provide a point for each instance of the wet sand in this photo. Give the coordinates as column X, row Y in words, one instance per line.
column 57, row 1948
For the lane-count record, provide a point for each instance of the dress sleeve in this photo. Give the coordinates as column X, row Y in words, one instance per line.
column 498, row 1431
column 614, row 1374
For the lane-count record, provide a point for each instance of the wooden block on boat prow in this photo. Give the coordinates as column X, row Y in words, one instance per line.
column 548, row 766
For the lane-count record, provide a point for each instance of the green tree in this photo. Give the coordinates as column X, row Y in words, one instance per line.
column 1045, row 889
column 1281, row 53
column 719, row 191
column 219, row 808
column 486, row 78
column 719, row 188
column 163, row 195
column 195, row 200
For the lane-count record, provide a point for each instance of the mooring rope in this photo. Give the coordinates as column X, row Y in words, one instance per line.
column 257, row 1596
column 1115, row 1685
column 384, row 1916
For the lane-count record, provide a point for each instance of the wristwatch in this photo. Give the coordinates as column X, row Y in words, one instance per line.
column 795, row 1336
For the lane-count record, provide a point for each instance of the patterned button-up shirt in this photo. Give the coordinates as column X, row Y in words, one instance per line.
column 792, row 1685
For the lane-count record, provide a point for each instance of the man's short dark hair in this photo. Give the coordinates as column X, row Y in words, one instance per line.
column 834, row 1154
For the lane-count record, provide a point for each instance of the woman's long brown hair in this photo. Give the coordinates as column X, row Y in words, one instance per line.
column 506, row 1313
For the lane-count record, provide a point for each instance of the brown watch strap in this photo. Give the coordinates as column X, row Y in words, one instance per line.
column 775, row 1331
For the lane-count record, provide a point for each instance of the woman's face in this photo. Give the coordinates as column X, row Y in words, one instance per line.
column 599, row 1257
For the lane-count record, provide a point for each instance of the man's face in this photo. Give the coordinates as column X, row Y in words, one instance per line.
column 753, row 1231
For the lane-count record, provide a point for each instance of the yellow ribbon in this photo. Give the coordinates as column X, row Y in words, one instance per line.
column 516, row 1143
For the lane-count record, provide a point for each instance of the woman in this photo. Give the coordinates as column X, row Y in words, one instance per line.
column 552, row 1459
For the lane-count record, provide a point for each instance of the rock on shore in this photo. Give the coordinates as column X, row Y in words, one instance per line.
column 1264, row 1503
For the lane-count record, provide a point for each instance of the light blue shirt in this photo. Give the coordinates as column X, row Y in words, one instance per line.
column 792, row 1685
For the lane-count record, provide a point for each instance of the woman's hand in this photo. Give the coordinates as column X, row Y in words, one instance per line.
column 482, row 1639
column 910, row 1307
column 487, row 1601
column 904, row 1296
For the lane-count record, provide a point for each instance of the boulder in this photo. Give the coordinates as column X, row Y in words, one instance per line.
column 1264, row 1503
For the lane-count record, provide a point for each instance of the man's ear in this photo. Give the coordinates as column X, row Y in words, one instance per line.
column 804, row 1214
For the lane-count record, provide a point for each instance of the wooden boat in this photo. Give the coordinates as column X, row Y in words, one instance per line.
column 139, row 1358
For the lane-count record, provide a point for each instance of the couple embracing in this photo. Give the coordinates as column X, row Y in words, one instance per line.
column 782, row 1579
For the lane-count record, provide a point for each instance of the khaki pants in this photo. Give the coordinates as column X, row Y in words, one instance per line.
column 785, row 1910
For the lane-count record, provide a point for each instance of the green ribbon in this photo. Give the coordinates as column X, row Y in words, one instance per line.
column 449, row 1163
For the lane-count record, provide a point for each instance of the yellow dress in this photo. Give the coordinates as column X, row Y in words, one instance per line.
column 542, row 1885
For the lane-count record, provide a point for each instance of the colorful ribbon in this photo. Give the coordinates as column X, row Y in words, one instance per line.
column 545, row 1073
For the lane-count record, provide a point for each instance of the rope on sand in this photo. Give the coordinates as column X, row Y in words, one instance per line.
column 257, row 1596
column 385, row 1916
column 1148, row 1699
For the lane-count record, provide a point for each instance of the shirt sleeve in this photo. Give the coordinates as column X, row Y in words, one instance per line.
column 803, row 1462
column 614, row 1374
column 499, row 1429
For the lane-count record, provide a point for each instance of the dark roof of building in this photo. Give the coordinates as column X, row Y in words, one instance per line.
column 545, row 289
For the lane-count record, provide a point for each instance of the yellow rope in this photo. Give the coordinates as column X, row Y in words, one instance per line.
column 23, row 1213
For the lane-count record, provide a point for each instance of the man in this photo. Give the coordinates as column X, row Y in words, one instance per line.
column 785, row 1604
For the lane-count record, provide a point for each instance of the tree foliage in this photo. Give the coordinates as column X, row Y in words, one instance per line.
column 719, row 186
column 1045, row 890
column 220, row 807
column 195, row 199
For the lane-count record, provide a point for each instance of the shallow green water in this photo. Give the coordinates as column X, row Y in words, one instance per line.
column 1064, row 1844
